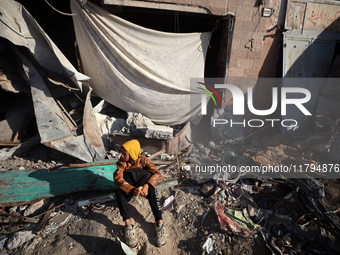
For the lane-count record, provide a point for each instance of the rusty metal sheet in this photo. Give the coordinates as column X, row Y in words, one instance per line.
column 55, row 129
column 19, row 27
column 75, row 146
column 17, row 112
column 10, row 78
column 91, row 130
column 50, row 121
column 320, row 17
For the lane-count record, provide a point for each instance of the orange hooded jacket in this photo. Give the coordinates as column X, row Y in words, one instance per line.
column 137, row 161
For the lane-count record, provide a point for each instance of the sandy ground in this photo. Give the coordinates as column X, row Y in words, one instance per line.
column 92, row 230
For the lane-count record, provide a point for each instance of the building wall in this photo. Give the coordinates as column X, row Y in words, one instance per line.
column 255, row 50
column 256, row 44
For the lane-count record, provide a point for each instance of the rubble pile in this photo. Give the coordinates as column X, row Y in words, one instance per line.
column 216, row 213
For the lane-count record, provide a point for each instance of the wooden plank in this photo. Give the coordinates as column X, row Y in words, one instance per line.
column 20, row 218
column 25, row 186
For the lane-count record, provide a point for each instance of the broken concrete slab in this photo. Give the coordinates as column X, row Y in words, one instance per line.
column 141, row 125
column 109, row 125
column 57, row 221
column 179, row 142
column 34, row 208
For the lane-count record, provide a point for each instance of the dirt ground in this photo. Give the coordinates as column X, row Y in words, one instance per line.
column 94, row 229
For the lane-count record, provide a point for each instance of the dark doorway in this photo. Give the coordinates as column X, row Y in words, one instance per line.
column 60, row 28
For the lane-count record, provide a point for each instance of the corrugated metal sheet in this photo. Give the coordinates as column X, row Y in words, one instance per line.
column 55, row 129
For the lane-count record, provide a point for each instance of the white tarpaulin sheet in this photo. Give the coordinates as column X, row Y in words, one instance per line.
column 139, row 69
column 19, row 27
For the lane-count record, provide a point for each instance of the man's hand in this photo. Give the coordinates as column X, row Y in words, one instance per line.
column 145, row 190
column 136, row 192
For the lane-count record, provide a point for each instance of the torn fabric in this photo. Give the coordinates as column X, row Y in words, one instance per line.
column 139, row 69
column 235, row 222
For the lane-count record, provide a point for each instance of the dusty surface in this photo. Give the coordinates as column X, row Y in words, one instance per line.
column 93, row 229
column 89, row 232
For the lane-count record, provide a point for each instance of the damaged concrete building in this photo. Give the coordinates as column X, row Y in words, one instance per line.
column 139, row 56
column 78, row 78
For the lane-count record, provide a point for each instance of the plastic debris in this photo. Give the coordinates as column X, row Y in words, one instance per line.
column 208, row 245
column 168, row 204
column 124, row 247
column 2, row 242
column 235, row 222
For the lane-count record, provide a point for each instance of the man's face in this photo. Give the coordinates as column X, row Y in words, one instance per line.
column 125, row 155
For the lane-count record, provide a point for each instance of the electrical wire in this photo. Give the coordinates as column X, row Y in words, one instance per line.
column 63, row 13
column 251, row 37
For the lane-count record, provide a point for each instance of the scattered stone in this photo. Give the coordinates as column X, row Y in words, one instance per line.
column 33, row 208
column 12, row 209
column 208, row 189
column 211, row 145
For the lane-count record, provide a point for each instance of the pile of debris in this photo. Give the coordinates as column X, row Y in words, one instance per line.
column 220, row 210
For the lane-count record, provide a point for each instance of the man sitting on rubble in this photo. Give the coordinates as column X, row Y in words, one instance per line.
column 137, row 175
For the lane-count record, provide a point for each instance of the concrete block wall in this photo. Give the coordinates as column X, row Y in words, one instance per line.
column 255, row 49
